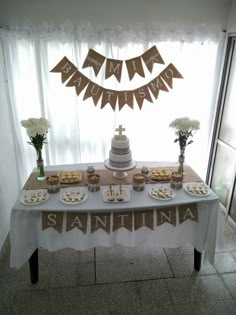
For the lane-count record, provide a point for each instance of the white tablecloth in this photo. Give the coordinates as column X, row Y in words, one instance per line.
column 26, row 227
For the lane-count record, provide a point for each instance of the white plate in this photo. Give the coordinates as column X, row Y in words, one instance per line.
column 195, row 189
column 116, row 195
column 34, row 197
column 162, row 190
column 73, row 194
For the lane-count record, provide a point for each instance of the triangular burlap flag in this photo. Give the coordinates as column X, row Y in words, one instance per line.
column 66, row 68
column 52, row 219
column 166, row 215
column 113, row 67
column 76, row 220
column 79, row 81
column 94, row 60
column 141, row 94
column 156, row 85
column 93, row 90
column 143, row 218
column 100, row 221
column 122, row 219
column 188, row 211
column 125, row 97
column 134, row 65
column 152, row 56
column 169, row 73
column 109, row 96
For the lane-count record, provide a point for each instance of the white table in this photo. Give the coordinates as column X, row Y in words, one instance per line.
column 27, row 236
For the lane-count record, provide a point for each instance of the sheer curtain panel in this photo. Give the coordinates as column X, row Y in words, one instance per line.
column 81, row 131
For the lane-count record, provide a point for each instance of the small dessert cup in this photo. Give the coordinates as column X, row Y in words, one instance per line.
column 94, row 182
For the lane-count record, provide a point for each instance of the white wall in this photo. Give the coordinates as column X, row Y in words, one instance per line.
column 8, row 173
column 232, row 18
column 115, row 12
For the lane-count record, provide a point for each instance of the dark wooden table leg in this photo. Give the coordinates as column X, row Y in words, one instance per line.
column 34, row 267
column 197, row 260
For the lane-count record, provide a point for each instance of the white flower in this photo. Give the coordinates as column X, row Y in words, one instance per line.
column 184, row 124
column 36, row 126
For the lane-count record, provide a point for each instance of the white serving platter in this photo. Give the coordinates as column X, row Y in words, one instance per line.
column 197, row 189
column 34, row 197
column 73, row 197
column 162, row 193
column 116, row 197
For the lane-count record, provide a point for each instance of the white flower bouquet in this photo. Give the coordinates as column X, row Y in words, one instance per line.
column 185, row 129
column 37, row 129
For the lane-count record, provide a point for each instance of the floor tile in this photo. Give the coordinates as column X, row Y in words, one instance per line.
column 32, row 302
column 191, row 309
column 228, row 228
column 129, row 264
column 71, row 275
column 153, row 293
column 182, row 290
column 225, row 262
column 210, row 288
column 124, row 298
column 186, row 250
column 81, row 300
column 224, row 307
column 230, row 282
column 230, row 241
column 184, row 266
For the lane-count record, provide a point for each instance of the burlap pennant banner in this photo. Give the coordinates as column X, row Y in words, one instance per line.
column 109, row 96
column 169, row 73
column 52, row 220
column 166, row 215
column 94, row 60
column 152, row 56
column 156, row 85
column 79, row 81
column 141, row 94
column 188, row 212
column 113, row 67
column 100, row 221
column 143, row 218
column 134, row 65
column 125, row 97
column 66, row 68
column 77, row 220
column 93, row 90
column 122, row 219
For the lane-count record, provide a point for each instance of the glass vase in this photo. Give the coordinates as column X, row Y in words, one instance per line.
column 41, row 175
column 181, row 164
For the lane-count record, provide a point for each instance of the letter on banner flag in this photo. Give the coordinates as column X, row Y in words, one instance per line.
column 79, row 81
column 134, row 65
column 152, row 56
column 169, row 73
column 125, row 97
column 93, row 90
column 166, row 215
column 156, row 85
column 78, row 220
column 94, row 60
column 143, row 218
column 141, row 94
column 113, row 67
column 100, row 221
column 52, row 219
column 122, row 219
column 66, row 68
column 109, row 96
column 188, row 211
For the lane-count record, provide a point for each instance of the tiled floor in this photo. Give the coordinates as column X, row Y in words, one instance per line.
column 122, row 281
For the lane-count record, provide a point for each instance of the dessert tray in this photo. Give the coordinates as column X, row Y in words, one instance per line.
column 34, row 197
column 70, row 177
column 162, row 193
column 73, row 197
column 116, row 194
column 197, row 189
column 160, row 174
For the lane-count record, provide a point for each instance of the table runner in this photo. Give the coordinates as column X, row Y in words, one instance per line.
column 106, row 178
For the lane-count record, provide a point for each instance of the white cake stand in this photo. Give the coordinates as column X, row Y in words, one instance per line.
column 120, row 172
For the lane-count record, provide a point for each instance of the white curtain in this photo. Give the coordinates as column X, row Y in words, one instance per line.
column 81, row 131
